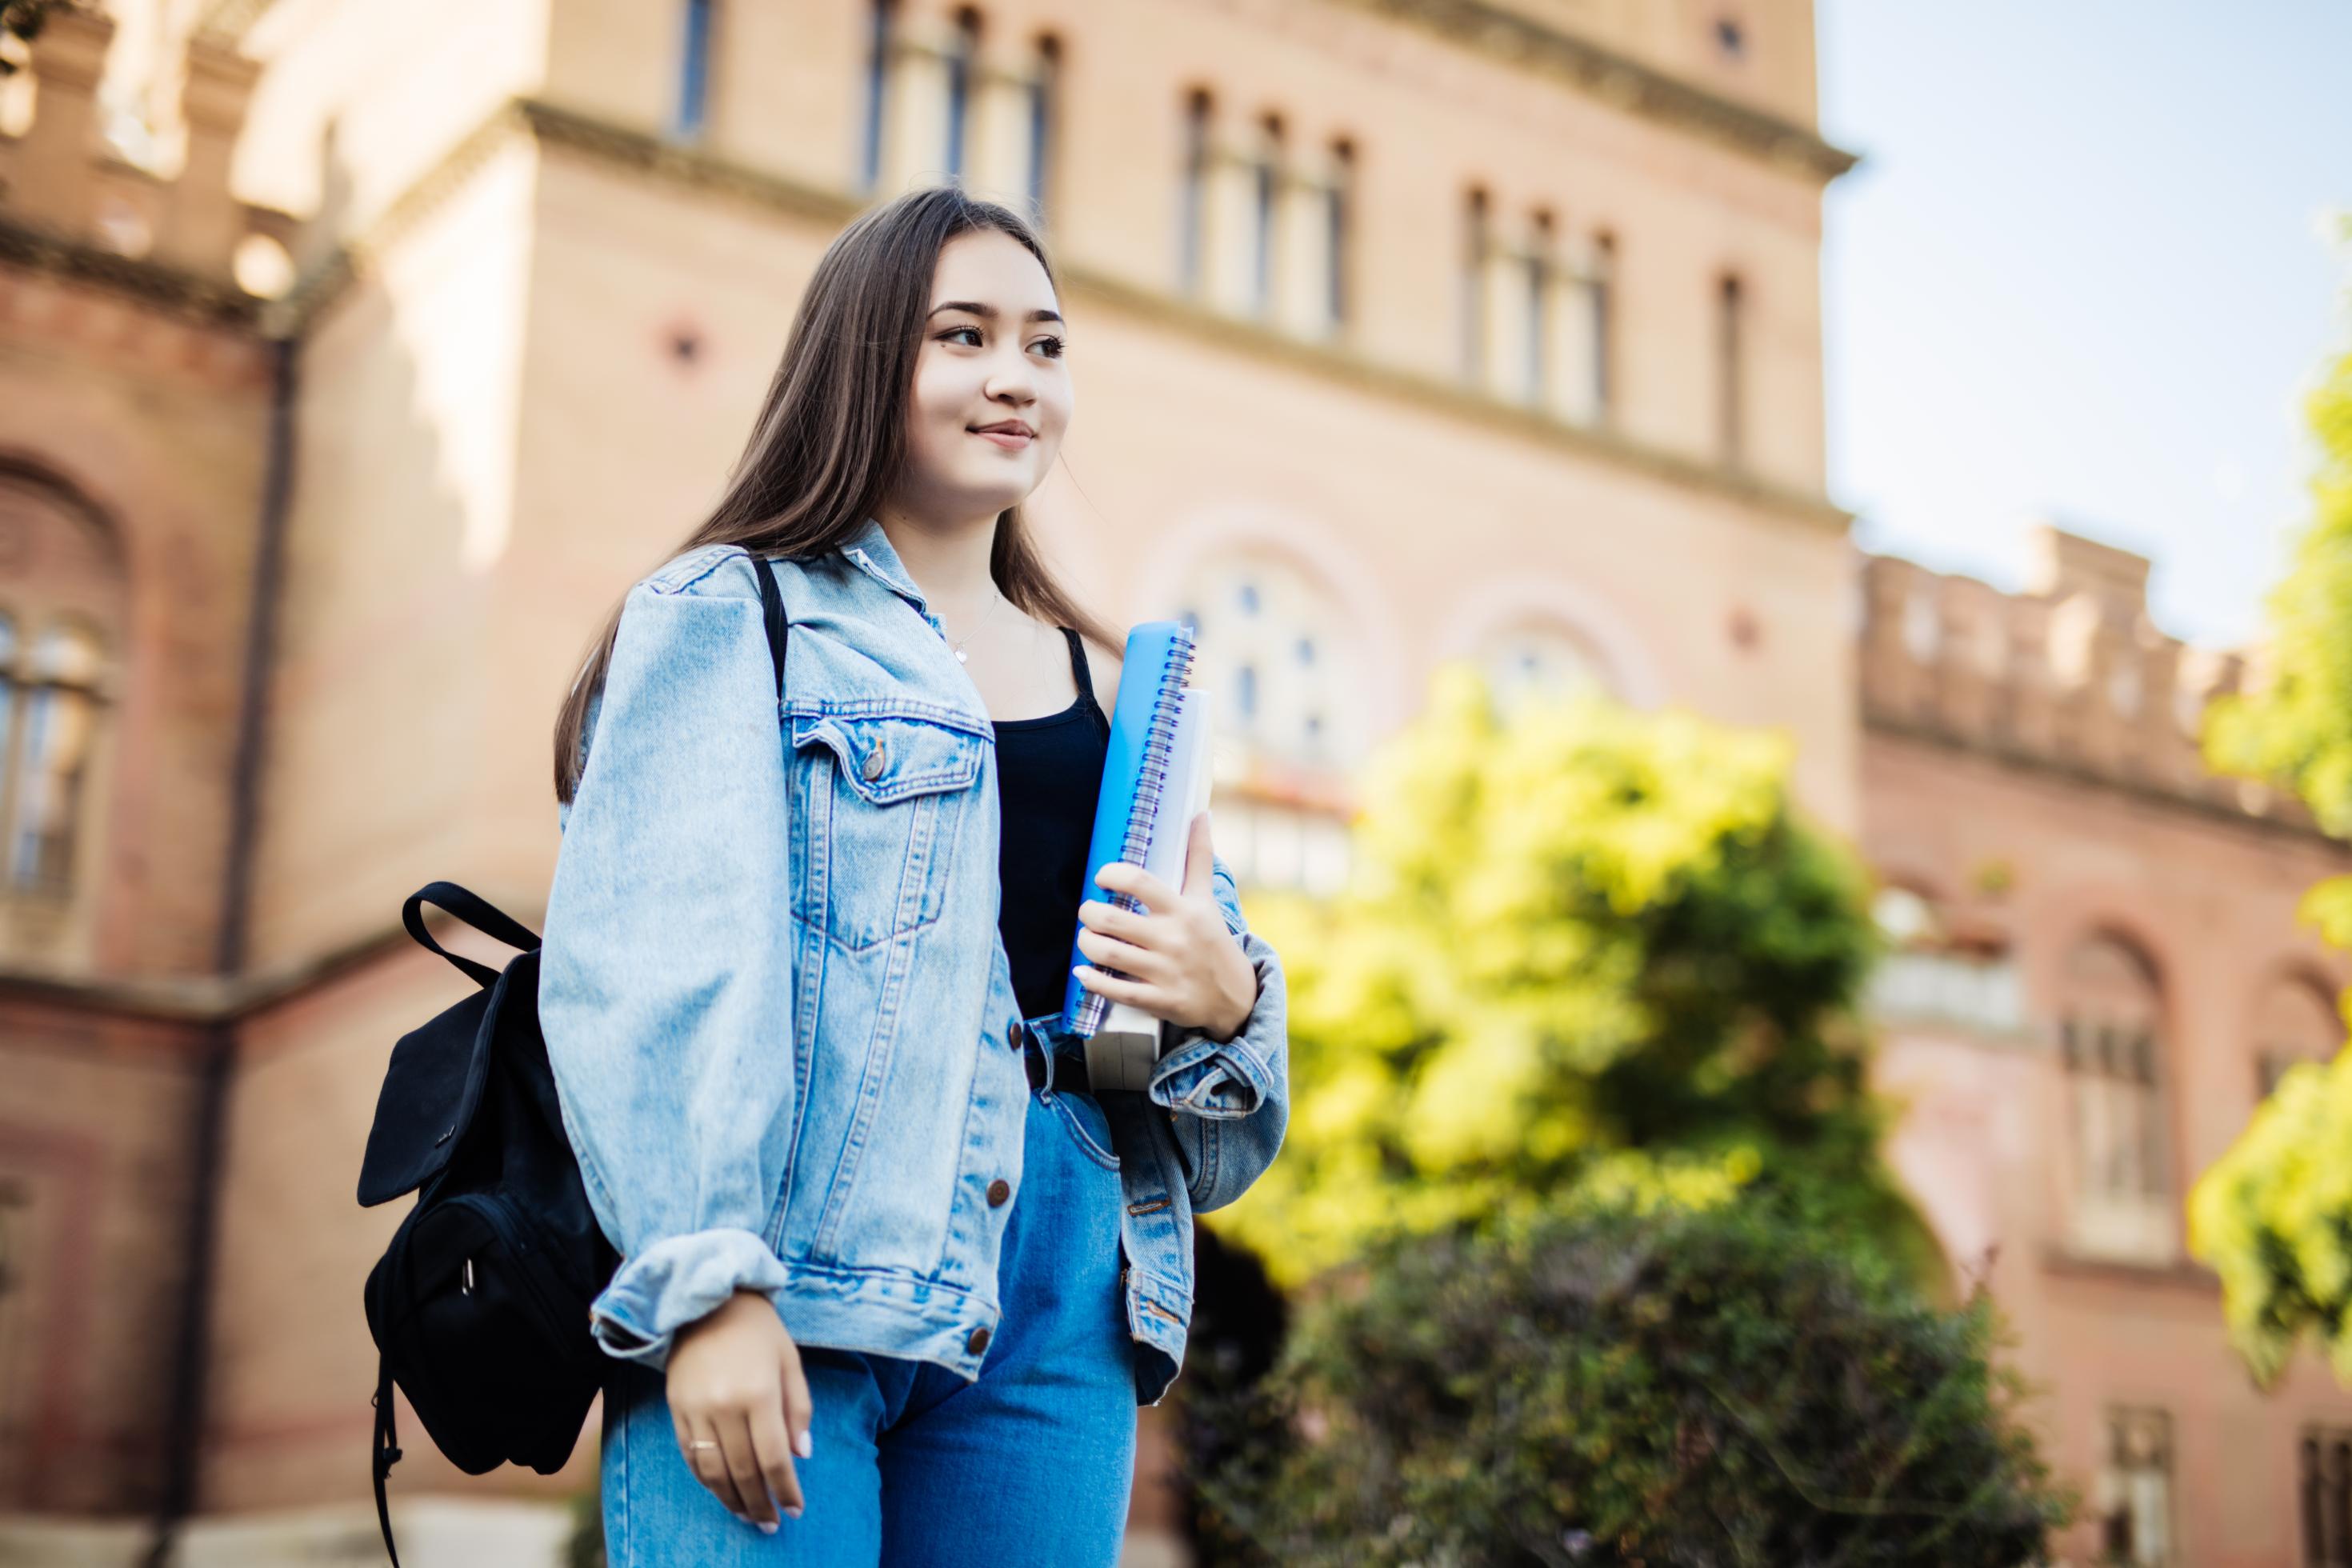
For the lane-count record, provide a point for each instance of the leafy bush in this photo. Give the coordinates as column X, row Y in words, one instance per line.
column 1720, row 1387
column 1582, row 946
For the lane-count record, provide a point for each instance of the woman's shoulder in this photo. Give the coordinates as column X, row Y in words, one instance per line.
column 1103, row 664
column 708, row 572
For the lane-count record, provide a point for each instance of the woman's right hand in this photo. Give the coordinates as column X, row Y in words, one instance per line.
column 735, row 1382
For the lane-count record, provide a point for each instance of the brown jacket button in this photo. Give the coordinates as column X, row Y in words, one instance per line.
column 1012, row 1035
column 978, row 1341
column 998, row 1190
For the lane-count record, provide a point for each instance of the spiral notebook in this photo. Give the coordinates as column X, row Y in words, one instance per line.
column 1155, row 780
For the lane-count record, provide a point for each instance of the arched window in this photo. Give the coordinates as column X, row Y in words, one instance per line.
column 1541, row 660
column 1277, row 654
column 2111, row 1044
column 61, row 604
column 2295, row 1023
column 1274, row 650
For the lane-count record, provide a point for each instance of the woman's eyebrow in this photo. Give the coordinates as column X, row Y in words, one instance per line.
column 988, row 313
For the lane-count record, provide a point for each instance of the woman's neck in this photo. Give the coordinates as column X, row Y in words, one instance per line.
column 948, row 566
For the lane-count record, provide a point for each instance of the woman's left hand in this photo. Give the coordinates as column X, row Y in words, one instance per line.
column 1185, row 965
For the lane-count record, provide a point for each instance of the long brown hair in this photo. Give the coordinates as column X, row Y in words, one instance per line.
column 831, row 435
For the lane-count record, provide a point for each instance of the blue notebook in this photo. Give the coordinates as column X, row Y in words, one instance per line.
column 1155, row 780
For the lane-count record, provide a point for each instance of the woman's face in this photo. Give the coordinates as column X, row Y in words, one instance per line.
column 992, row 356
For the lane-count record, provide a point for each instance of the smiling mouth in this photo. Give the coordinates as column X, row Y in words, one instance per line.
column 1006, row 437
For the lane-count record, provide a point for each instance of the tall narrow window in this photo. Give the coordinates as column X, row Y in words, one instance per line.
column 881, row 19
column 1730, row 370
column 2111, row 1044
column 2134, row 1499
column 2325, row 1497
column 1475, row 243
column 1336, row 202
column 59, row 723
column 693, row 104
column 1191, row 218
column 1043, row 91
column 1267, row 192
column 963, row 58
column 1535, row 326
column 62, row 613
column 1603, row 299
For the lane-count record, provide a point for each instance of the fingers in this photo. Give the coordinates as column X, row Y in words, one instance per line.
column 1118, row 990
column 1199, row 862
column 1124, row 877
column 706, row 1456
column 800, row 1407
column 1112, row 953
column 769, row 1448
column 743, row 1470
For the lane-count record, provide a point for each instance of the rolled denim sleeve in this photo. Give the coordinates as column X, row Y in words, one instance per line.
column 665, row 977
column 1229, row 1101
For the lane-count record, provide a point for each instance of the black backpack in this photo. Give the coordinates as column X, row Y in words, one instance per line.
column 479, row 1304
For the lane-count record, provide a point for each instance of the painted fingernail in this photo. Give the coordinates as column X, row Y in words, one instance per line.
column 793, row 1511
column 806, row 1444
column 767, row 1527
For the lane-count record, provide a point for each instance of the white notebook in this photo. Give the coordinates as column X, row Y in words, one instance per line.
column 1122, row 1052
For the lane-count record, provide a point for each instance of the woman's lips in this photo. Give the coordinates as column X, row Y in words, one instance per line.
column 1010, row 440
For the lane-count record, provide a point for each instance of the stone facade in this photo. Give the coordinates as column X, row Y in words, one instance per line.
column 1405, row 331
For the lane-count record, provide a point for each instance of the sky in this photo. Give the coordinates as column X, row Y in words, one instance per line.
column 2085, row 274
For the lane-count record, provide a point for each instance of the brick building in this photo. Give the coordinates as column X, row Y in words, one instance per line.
column 354, row 358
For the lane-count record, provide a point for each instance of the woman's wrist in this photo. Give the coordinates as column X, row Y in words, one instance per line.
column 1240, row 988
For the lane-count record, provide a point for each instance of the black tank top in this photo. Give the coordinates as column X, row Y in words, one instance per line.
column 1049, row 776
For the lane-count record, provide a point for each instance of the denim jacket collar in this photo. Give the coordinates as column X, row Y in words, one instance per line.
column 870, row 548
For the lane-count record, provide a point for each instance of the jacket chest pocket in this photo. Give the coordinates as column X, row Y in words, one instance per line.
column 881, row 798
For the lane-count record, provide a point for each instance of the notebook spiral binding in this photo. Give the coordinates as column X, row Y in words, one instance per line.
column 1175, row 674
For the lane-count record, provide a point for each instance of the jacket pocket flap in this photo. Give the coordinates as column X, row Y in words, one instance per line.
column 887, row 757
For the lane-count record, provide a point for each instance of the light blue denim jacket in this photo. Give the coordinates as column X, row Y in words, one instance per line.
column 780, row 1014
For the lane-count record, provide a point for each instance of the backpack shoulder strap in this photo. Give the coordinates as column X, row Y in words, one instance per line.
column 772, row 605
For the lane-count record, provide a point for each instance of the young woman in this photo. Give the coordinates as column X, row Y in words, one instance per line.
column 893, row 1281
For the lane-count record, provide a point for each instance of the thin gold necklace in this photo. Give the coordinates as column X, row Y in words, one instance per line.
column 957, row 643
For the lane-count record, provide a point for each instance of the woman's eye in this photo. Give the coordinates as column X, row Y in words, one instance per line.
column 1053, row 346
column 951, row 331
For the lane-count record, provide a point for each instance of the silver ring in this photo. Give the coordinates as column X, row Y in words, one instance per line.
column 702, row 1442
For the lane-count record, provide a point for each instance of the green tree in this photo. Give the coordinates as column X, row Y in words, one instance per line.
column 1585, row 950
column 2274, row 1216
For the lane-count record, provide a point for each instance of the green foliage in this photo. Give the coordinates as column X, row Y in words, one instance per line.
column 1585, row 949
column 1721, row 1387
column 2274, row 1217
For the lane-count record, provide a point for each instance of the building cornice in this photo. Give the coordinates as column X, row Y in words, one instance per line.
column 642, row 154
column 170, row 290
column 1438, row 395
column 1620, row 80
column 2080, row 777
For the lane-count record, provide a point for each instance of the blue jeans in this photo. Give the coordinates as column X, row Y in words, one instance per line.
column 912, row 1465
